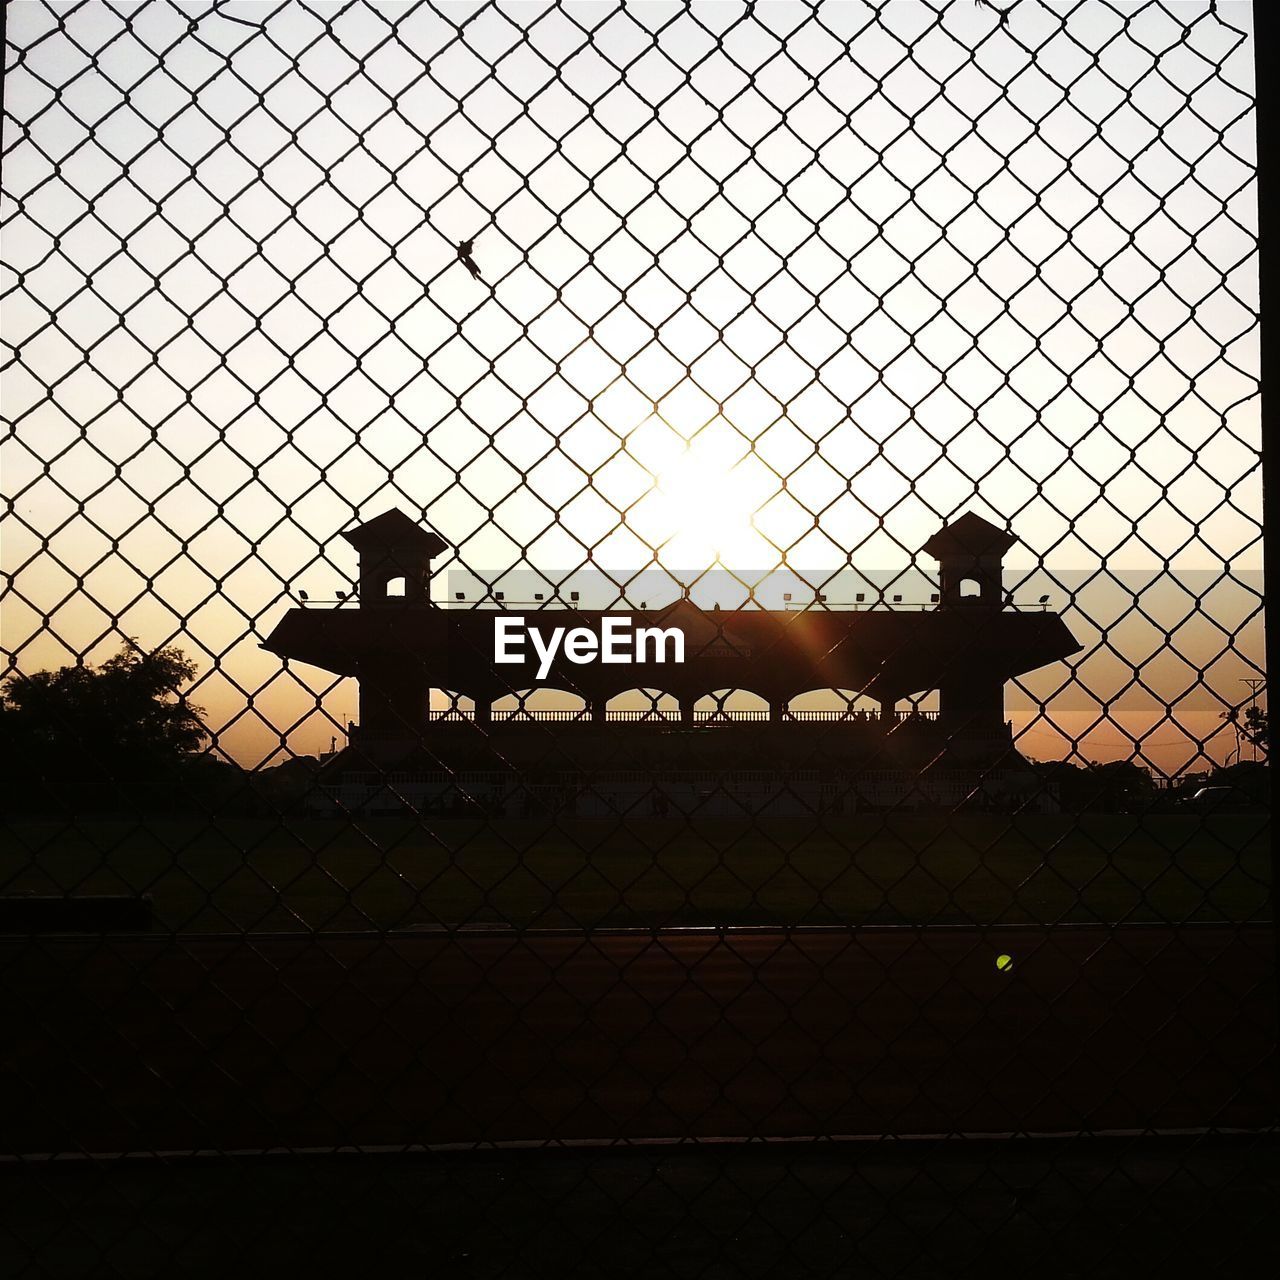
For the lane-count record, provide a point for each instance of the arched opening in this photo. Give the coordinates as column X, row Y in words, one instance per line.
column 397, row 588
column 970, row 589
column 643, row 704
column 730, row 704
column 832, row 704
column 446, row 704
column 918, row 706
column 540, row 704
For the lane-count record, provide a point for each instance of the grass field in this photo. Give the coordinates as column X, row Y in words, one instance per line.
column 873, row 869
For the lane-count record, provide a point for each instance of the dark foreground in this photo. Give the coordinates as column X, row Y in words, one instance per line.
column 203, row 1043
column 1101, row 1209
column 299, row 875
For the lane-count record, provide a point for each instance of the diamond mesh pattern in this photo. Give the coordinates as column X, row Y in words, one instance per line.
column 725, row 306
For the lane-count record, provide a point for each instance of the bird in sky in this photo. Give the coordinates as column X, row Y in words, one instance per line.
column 464, row 256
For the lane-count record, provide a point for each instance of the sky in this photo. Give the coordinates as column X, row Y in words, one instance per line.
column 766, row 290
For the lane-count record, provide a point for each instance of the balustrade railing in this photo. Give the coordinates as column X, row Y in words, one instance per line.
column 718, row 716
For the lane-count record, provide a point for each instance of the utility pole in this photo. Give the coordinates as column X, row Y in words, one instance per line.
column 1255, row 684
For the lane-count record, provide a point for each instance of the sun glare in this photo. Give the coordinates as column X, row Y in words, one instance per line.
column 708, row 510
column 707, row 492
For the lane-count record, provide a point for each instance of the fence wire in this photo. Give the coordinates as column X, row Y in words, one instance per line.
column 382, row 383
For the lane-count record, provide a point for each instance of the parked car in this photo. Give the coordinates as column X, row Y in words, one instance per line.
column 1220, row 800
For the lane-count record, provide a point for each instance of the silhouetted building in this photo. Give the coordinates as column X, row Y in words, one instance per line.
column 395, row 556
column 400, row 645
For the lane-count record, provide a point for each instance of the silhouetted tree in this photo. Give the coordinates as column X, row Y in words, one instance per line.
column 1119, row 786
column 86, row 737
column 1252, row 724
column 1256, row 727
column 1249, row 779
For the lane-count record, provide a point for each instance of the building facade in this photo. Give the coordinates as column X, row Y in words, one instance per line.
column 400, row 644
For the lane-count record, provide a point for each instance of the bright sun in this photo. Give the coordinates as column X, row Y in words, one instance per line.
column 707, row 509
column 707, row 492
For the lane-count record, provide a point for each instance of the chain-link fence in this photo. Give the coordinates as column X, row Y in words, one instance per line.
column 383, row 384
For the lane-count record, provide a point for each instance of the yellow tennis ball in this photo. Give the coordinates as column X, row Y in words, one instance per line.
column 1004, row 963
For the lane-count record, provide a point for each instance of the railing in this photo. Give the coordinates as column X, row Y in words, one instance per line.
column 487, row 604
column 507, row 716
column 583, row 716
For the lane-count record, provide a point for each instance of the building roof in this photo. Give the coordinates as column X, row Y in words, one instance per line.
column 769, row 652
column 970, row 535
column 394, row 529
